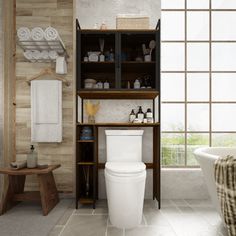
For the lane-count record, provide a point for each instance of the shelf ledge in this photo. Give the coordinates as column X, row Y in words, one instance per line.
column 121, row 124
column 118, row 94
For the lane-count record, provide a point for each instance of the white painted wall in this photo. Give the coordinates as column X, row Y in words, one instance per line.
column 176, row 183
column 90, row 12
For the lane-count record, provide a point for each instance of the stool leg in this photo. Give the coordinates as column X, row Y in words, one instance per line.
column 48, row 192
column 16, row 184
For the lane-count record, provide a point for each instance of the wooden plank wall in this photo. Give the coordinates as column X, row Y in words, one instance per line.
column 1, row 91
column 8, row 86
column 43, row 13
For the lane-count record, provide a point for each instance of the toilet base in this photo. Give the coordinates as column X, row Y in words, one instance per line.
column 125, row 196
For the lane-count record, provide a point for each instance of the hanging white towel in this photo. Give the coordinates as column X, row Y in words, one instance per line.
column 46, row 111
column 61, row 66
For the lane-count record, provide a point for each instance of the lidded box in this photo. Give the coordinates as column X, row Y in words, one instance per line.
column 132, row 21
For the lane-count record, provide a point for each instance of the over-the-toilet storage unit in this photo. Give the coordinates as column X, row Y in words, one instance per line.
column 117, row 73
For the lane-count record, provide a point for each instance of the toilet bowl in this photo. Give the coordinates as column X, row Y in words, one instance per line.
column 125, row 177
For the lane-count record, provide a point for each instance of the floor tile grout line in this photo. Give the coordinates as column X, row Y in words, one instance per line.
column 203, row 217
column 165, row 216
column 106, row 227
column 197, row 213
column 187, row 203
column 145, row 220
column 63, row 228
column 176, row 206
column 82, row 214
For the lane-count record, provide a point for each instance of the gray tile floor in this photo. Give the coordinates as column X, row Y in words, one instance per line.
column 26, row 219
column 176, row 218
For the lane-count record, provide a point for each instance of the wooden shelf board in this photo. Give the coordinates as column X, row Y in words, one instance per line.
column 110, row 31
column 85, row 141
column 98, row 62
column 86, row 200
column 83, row 163
column 139, row 62
column 118, row 94
column 121, row 124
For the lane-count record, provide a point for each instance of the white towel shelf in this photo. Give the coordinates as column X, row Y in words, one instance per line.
column 55, row 45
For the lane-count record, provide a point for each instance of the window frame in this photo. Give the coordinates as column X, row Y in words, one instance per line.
column 210, row 132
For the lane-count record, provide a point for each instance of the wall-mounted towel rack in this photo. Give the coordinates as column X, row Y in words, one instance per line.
column 41, row 45
column 48, row 71
column 53, row 45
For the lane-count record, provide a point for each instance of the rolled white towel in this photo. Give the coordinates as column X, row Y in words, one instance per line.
column 53, row 54
column 24, row 34
column 51, row 34
column 37, row 34
column 45, row 54
column 36, row 54
column 28, row 54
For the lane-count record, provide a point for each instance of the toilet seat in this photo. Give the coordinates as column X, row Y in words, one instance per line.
column 125, row 169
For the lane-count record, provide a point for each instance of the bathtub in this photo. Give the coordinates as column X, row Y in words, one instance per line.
column 206, row 158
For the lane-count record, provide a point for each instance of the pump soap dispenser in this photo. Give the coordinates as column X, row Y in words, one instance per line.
column 32, row 158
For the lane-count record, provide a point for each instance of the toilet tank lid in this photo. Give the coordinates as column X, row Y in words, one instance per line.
column 124, row 132
column 125, row 167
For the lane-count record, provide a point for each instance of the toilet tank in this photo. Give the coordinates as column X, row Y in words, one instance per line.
column 124, row 145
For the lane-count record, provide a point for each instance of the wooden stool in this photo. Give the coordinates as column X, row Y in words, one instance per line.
column 47, row 194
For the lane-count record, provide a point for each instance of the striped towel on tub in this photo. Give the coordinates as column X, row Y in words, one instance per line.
column 225, row 177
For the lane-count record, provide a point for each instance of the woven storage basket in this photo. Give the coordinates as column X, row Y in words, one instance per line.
column 132, row 22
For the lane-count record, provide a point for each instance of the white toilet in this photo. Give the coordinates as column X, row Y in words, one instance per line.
column 125, row 176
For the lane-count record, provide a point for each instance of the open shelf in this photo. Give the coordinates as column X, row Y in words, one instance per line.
column 121, row 124
column 118, row 94
column 85, row 141
column 86, row 200
column 98, row 62
column 86, row 163
column 139, row 62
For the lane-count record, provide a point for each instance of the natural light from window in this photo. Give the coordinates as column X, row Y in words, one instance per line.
column 198, row 57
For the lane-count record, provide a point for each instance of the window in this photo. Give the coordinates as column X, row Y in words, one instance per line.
column 198, row 77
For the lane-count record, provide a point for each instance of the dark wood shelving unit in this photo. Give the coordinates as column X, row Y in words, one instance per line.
column 127, row 46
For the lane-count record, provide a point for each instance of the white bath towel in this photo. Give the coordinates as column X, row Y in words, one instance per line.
column 45, row 54
column 24, row 34
column 36, row 54
column 38, row 36
column 53, row 54
column 51, row 34
column 46, row 111
column 61, row 66
column 28, row 54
